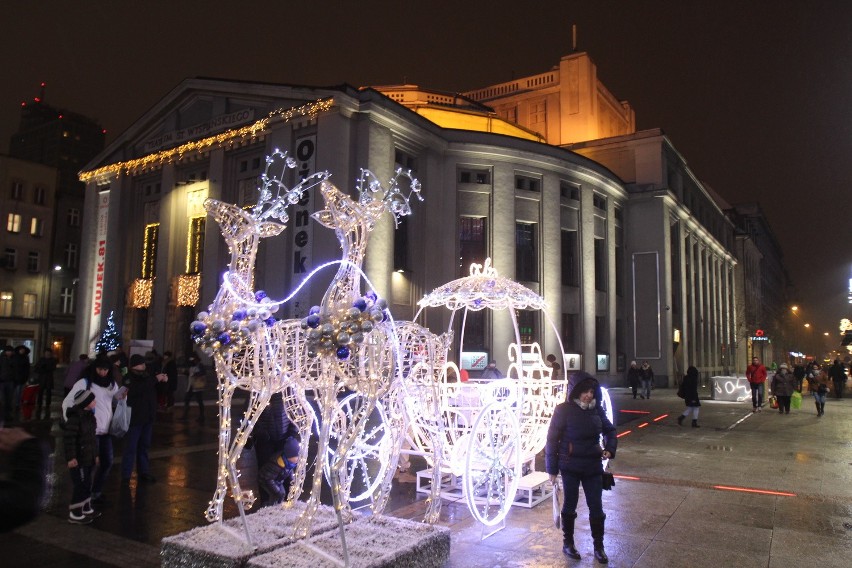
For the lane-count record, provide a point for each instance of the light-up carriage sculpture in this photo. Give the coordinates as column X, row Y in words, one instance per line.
column 347, row 342
column 490, row 429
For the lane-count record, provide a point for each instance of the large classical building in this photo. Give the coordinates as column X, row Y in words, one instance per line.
column 546, row 176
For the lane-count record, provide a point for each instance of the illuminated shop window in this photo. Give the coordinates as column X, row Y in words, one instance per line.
column 195, row 245
column 149, row 250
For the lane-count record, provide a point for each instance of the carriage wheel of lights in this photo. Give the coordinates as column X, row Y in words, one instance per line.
column 492, row 429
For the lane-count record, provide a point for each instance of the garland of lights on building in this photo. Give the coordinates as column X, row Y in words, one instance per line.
column 205, row 144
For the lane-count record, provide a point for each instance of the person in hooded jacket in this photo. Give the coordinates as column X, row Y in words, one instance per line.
column 689, row 389
column 783, row 386
column 573, row 450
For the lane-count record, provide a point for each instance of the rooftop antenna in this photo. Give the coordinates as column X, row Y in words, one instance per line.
column 574, row 37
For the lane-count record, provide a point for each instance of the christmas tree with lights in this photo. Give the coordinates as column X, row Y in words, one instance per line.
column 109, row 339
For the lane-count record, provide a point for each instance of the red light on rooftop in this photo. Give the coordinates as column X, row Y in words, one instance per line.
column 60, row 117
column 36, row 99
column 747, row 490
column 43, row 84
column 23, row 103
column 103, row 131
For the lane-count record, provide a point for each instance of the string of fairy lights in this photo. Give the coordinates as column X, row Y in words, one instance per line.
column 177, row 153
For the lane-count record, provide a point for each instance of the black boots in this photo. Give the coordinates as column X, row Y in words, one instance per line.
column 695, row 424
column 680, row 420
column 820, row 408
column 568, row 536
column 597, row 526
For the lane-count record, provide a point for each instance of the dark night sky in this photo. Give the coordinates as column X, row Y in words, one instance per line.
column 754, row 94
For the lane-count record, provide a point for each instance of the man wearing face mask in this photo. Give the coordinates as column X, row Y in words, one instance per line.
column 573, row 450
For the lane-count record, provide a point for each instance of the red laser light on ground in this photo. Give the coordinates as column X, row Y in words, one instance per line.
column 660, row 417
column 630, row 477
column 636, row 411
column 644, row 424
column 747, row 490
column 626, row 432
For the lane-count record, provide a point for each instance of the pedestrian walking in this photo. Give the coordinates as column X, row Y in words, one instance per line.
column 646, row 376
column 689, row 390
column 783, row 386
column 44, row 369
column 838, row 376
column 818, row 386
column 756, row 375
column 634, row 377
column 81, row 454
column 573, row 450
column 142, row 399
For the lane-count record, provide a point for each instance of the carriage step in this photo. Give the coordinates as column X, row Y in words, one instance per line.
column 449, row 482
column 533, row 488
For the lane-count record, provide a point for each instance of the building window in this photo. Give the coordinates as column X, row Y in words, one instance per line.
column 601, row 336
column 405, row 160
column 33, row 262
column 599, row 202
column 527, row 326
column 570, row 259
column 149, row 250
column 37, row 227
column 600, row 265
column 71, row 255
column 571, row 333
column 13, row 223
column 38, row 195
column 10, row 258
column 474, row 176
column 569, row 191
column 30, row 306
column 538, row 114
column 526, row 266
column 6, row 304
column 195, row 245
column 17, row 190
column 472, row 242
column 527, row 183
column 66, row 297
column 73, row 217
column 618, row 213
column 400, row 245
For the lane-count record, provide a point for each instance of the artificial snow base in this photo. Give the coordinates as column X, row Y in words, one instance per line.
column 372, row 542
column 224, row 545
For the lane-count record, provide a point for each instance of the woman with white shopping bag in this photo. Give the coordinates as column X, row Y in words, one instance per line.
column 99, row 379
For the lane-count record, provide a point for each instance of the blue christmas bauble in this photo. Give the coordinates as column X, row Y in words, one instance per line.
column 239, row 315
column 259, row 295
column 313, row 320
column 270, row 321
column 198, row 327
column 360, row 303
column 224, row 338
column 314, row 310
column 343, row 353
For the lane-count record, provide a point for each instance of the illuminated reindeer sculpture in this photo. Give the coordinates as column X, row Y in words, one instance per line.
column 352, row 345
column 240, row 333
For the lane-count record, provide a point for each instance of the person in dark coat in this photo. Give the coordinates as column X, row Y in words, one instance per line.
column 689, row 390
column 81, row 451
column 276, row 445
column 22, row 482
column 21, row 363
column 783, row 386
column 45, row 368
column 646, row 375
column 142, row 399
column 634, row 375
column 838, row 377
column 573, row 450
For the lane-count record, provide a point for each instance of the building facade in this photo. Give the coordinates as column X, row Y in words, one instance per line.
column 26, row 210
column 545, row 217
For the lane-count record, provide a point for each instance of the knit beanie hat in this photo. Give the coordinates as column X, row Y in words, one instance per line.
column 136, row 359
column 83, row 398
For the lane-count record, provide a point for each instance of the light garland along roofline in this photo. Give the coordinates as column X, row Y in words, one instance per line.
column 177, row 153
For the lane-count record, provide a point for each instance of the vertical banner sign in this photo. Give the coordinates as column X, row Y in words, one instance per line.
column 306, row 151
column 98, row 265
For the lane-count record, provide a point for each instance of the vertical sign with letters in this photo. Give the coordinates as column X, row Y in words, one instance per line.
column 98, row 270
column 305, row 155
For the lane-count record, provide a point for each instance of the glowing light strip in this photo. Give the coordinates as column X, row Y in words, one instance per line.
column 748, row 490
column 658, row 418
column 636, row 411
column 252, row 130
column 626, row 432
column 254, row 304
column 630, row 477
column 644, row 424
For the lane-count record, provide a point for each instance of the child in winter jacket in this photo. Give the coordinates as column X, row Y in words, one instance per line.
column 81, row 452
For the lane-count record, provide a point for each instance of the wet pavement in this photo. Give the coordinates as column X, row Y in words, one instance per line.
column 668, row 507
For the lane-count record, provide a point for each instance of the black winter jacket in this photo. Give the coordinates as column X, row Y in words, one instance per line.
column 573, row 438
column 81, row 441
column 21, row 492
column 141, row 397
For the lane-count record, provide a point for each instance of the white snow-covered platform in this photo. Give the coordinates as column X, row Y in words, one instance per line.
column 223, row 545
column 372, row 542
